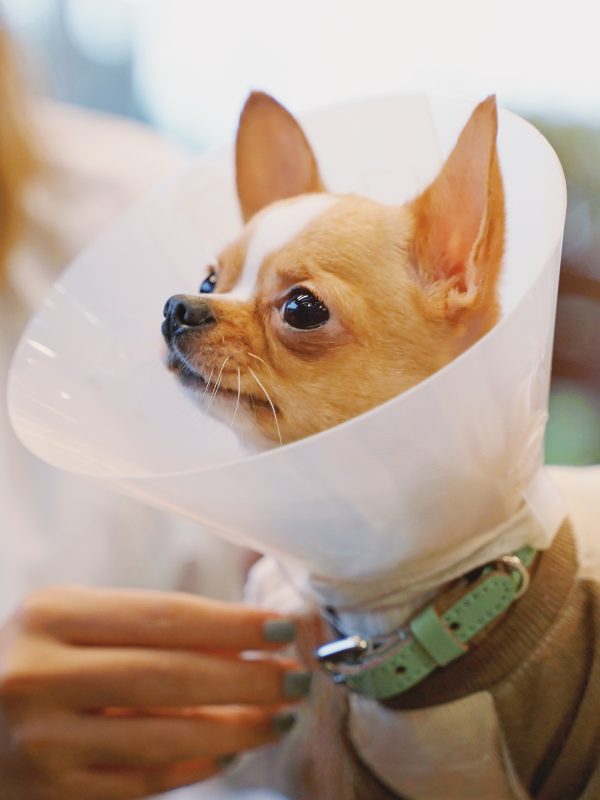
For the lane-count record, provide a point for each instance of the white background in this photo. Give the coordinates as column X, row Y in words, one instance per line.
column 194, row 61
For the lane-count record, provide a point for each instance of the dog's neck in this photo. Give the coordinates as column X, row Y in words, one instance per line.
column 385, row 602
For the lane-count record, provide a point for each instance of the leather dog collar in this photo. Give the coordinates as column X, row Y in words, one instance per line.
column 389, row 665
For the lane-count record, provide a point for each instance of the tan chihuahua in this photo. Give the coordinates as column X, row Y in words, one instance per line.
column 328, row 305
column 324, row 307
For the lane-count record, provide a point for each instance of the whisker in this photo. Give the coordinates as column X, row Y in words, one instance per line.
column 237, row 405
column 196, row 358
column 207, row 384
column 248, row 353
column 270, row 403
column 252, row 403
column 212, row 361
column 217, row 384
column 190, row 363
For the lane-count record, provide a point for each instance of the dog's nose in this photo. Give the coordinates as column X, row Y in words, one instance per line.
column 186, row 311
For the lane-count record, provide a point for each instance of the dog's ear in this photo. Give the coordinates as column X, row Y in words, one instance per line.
column 459, row 234
column 272, row 156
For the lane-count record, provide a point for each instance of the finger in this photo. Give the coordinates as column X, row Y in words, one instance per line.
column 154, row 742
column 123, row 617
column 93, row 678
column 130, row 784
column 142, row 742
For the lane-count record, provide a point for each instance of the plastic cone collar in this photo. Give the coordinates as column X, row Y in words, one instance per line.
column 453, row 457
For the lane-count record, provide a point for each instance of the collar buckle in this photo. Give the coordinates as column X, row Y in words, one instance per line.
column 514, row 564
column 349, row 650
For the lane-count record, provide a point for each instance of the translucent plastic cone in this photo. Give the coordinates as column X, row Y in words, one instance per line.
column 449, row 459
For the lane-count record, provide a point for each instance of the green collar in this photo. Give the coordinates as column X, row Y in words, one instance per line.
column 389, row 665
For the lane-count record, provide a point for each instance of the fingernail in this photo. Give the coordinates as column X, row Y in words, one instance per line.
column 283, row 722
column 296, row 684
column 279, row 631
column 226, row 761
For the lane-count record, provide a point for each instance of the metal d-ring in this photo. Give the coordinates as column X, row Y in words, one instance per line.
column 514, row 562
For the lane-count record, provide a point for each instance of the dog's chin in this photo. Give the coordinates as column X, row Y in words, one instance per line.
column 240, row 411
column 188, row 377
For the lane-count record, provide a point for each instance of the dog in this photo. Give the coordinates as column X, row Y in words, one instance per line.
column 324, row 307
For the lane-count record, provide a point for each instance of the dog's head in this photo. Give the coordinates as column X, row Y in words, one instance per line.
column 328, row 305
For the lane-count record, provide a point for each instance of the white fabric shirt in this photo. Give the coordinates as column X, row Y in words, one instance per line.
column 57, row 528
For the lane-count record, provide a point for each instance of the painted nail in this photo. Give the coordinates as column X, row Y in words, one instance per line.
column 226, row 761
column 279, row 631
column 283, row 722
column 296, row 684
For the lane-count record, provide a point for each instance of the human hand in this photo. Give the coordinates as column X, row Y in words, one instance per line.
column 118, row 694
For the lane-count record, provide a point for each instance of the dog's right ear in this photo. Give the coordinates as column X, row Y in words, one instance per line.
column 460, row 226
column 272, row 156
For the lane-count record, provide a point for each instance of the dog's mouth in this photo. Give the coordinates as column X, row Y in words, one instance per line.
column 194, row 380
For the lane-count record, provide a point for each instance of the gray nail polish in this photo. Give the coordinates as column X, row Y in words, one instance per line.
column 283, row 722
column 279, row 631
column 226, row 761
column 296, row 684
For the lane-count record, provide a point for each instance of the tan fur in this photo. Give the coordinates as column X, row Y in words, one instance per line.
column 459, row 237
column 273, row 159
column 408, row 287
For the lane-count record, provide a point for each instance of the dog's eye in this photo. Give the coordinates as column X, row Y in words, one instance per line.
column 304, row 311
column 208, row 286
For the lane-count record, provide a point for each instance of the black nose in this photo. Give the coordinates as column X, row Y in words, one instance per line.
column 185, row 311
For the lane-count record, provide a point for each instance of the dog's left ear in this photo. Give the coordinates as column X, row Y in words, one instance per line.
column 459, row 234
column 273, row 159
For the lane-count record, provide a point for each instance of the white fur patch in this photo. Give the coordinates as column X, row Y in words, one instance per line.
column 274, row 230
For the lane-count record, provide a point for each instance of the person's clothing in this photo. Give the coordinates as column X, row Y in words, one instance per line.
column 55, row 527
column 515, row 718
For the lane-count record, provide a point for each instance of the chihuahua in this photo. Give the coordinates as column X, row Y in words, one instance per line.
column 327, row 305
column 324, row 307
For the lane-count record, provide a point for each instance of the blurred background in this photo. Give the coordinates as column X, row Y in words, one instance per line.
column 186, row 67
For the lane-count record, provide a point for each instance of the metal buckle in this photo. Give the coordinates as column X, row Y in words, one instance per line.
column 515, row 563
column 349, row 649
